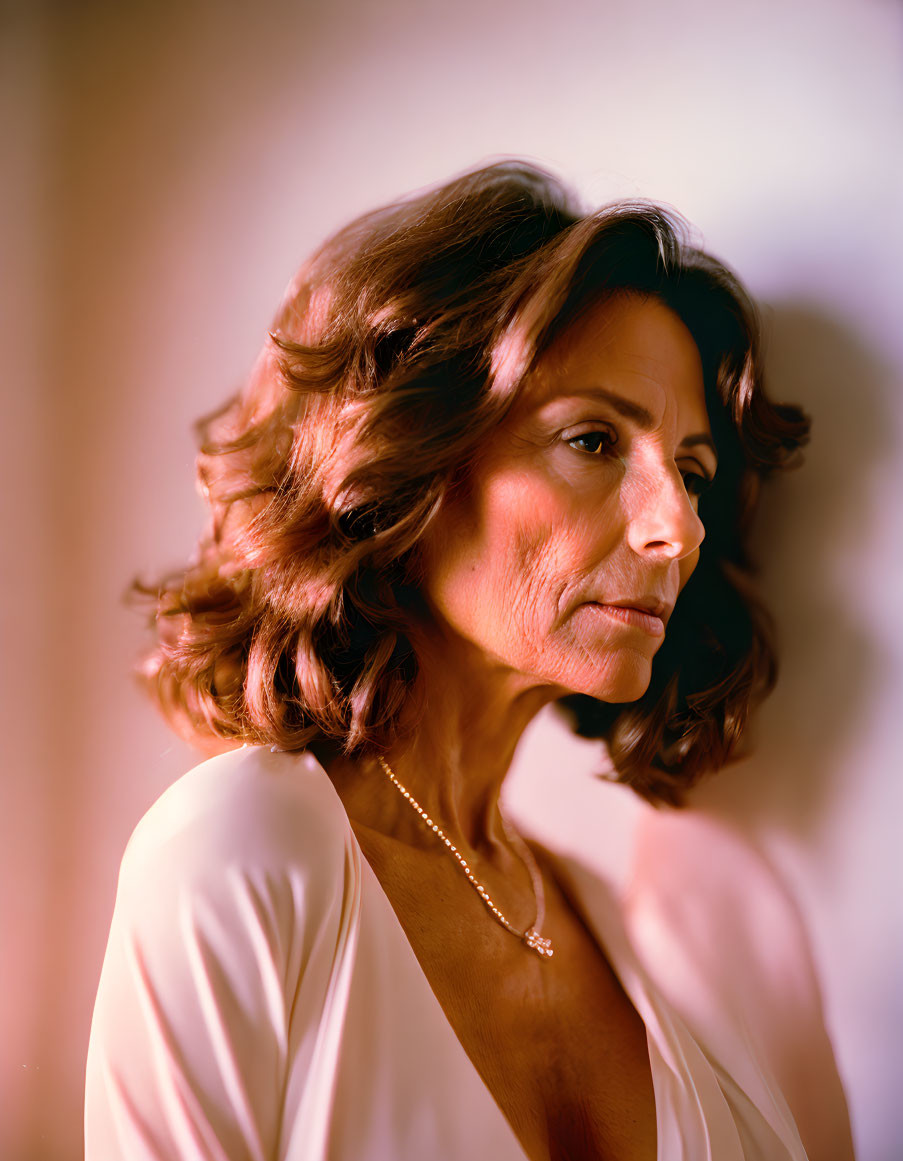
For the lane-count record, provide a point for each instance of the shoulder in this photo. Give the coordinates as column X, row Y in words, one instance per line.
column 699, row 889
column 687, row 864
column 248, row 800
column 250, row 816
column 727, row 943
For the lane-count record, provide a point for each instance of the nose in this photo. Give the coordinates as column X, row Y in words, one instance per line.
column 663, row 521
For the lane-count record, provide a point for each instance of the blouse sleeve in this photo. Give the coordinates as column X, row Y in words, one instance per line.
column 229, row 891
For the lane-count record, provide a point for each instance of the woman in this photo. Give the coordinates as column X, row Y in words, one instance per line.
column 470, row 476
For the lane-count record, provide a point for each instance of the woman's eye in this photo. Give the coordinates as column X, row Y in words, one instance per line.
column 696, row 483
column 594, row 443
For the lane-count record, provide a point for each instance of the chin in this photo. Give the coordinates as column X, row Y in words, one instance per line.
column 619, row 683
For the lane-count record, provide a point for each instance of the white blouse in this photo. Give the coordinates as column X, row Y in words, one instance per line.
column 259, row 1000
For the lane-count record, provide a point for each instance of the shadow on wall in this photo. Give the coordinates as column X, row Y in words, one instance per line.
column 815, row 544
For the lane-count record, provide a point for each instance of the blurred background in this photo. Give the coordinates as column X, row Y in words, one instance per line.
column 166, row 166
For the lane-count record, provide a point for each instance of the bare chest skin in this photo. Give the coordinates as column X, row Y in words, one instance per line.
column 557, row 1042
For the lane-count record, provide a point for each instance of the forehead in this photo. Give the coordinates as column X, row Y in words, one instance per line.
column 631, row 346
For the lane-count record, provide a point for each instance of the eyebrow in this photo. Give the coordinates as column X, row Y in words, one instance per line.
column 638, row 414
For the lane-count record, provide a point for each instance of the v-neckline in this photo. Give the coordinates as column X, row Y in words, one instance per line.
column 590, row 921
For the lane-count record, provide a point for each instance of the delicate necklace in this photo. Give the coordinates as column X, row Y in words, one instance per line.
column 531, row 936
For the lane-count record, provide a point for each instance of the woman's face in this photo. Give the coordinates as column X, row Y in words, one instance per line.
column 563, row 561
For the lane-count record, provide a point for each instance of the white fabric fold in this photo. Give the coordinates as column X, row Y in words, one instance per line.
column 259, row 1000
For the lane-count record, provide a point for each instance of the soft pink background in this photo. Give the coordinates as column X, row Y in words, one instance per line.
column 166, row 165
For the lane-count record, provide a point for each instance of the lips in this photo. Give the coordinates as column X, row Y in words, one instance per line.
column 647, row 613
column 647, row 604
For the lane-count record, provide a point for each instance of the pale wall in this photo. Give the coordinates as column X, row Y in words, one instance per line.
column 166, row 167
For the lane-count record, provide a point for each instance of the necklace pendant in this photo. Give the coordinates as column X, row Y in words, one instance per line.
column 531, row 937
column 542, row 947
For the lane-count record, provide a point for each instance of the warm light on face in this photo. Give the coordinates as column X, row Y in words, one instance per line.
column 580, row 527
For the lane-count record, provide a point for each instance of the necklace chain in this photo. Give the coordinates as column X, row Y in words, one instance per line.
column 531, row 937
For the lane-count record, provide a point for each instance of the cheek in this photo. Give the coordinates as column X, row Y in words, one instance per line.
column 546, row 537
column 515, row 555
column 479, row 550
column 506, row 563
column 501, row 558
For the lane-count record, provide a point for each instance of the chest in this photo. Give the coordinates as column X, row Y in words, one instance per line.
column 565, row 1056
column 557, row 1043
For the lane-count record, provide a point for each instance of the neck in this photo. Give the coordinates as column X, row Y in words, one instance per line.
column 454, row 750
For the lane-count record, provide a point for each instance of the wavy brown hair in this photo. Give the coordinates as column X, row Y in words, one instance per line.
column 399, row 347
